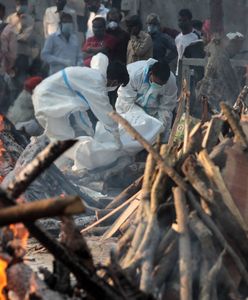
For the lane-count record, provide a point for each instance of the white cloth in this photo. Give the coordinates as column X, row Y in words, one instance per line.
column 74, row 89
column 102, row 12
column 52, row 18
column 91, row 153
column 138, row 93
column 182, row 42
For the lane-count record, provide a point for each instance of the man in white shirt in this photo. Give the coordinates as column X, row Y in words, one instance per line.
column 51, row 18
column 187, row 36
column 96, row 10
column 62, row 48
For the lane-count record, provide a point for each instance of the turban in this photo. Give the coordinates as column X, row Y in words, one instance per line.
column 32, row 82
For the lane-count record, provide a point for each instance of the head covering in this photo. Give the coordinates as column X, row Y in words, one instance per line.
column 153, row 19
column 31, row 82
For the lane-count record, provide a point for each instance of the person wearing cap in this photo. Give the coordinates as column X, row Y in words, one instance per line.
column 140, row 46
column 163, row 45
column 62, row 48
column 152, row 87
column 21, row 113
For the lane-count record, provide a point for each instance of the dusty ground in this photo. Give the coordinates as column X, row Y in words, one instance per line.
column 38, row 257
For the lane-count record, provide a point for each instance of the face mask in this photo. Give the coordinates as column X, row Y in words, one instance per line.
column 154, row 86
column 112, row 25
column 152, row 28
column 111, row 88
column 67, row 28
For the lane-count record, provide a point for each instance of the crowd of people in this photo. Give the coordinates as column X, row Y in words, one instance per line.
column 88, row 57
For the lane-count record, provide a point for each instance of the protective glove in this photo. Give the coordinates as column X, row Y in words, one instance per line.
column 117, row 139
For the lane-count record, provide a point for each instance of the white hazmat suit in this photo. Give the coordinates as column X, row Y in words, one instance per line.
column 73, row 90
column 158, row 102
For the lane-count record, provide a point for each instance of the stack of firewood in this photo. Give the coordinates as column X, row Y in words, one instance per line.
column 182, row 236
column 187, row 237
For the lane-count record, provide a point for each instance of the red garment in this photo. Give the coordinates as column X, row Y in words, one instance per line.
column 31, row 83
column 108, row 42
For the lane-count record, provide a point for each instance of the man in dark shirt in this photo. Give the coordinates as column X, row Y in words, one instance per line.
column 113, row 28
column 164, row 47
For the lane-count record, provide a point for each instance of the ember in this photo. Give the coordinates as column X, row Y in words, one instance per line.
column 1, row 122
column 21, row 234
column 3, row 277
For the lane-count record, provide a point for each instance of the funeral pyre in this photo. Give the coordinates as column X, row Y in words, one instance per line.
column 181, row 228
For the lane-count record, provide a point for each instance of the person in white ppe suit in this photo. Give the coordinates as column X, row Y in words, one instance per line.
column 152, row 87
column 73, row 91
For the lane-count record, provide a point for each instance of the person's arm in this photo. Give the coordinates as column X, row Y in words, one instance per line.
column 89, row 50
column 127, row 96
column 47, row 53
column 79, row 60
column 141, row 45
column 171, row 46
column 45, row 24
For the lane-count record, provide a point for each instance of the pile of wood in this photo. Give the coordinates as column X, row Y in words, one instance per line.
column 182, row 227
column 183, row 235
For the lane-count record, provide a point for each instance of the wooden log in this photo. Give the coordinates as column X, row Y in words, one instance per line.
column 214, row 174
column 240, row 105
column 111, row 213
column 210, row 284
column 148, row 250
column 125, row 215
column 185, row 266
column 110, row 220
column 126, row 194
column 159, row 185
column 167, row 262
column 221, row 239
column 187, row 121
column 42, row 161
column 212, row 134
column 239, row 134
column 91, row 283
column 167, row 239
column 60, row 206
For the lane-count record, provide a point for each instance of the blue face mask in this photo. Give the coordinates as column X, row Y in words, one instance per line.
column 152, row 28
column 155, row 86
column 67, row 28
